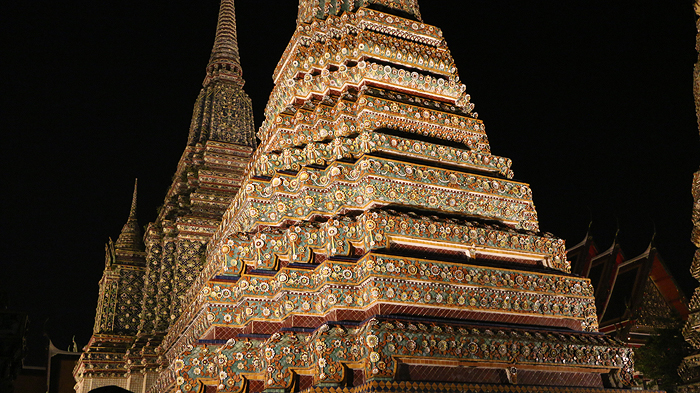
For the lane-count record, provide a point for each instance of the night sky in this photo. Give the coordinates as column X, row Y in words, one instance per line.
column 592, row 100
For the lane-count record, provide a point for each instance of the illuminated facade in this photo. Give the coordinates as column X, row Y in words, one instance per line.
column 371, row 242
column 690, row 368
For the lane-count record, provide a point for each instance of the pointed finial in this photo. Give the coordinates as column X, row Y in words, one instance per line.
column 225, row 62
column 130, row 237
column 132, row 212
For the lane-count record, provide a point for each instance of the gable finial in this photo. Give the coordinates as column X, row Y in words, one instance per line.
column 653, row 235
column 590, row 220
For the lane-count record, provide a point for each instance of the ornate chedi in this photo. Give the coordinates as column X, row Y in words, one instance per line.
column 221, row 140
column 119, row 304
column 690, row 368
column 376, row 244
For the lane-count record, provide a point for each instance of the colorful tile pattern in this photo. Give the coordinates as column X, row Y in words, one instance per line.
column 371, row 237
column 358, row 161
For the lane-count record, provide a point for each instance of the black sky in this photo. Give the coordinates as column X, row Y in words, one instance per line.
column 591, row 99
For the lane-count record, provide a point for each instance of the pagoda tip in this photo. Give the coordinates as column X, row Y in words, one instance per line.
column 132, row 212
column 225, row 62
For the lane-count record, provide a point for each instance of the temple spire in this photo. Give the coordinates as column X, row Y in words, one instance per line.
column 132, row 211
column 225, row 62
column 223, row 111
column 130, row 237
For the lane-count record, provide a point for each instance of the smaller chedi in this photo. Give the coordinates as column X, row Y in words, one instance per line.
column 370, row 242
column 146, row 277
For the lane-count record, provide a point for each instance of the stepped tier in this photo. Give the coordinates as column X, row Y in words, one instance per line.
column 378, row 143
column 385, row 348
column 377, row 181
column 385, row 284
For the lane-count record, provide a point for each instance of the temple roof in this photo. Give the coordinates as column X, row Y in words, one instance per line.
column 627, row 290
column 581, row 254
column 130, row 237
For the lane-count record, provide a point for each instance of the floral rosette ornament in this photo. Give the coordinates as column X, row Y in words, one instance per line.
column 281, row 354
column 332, row 347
